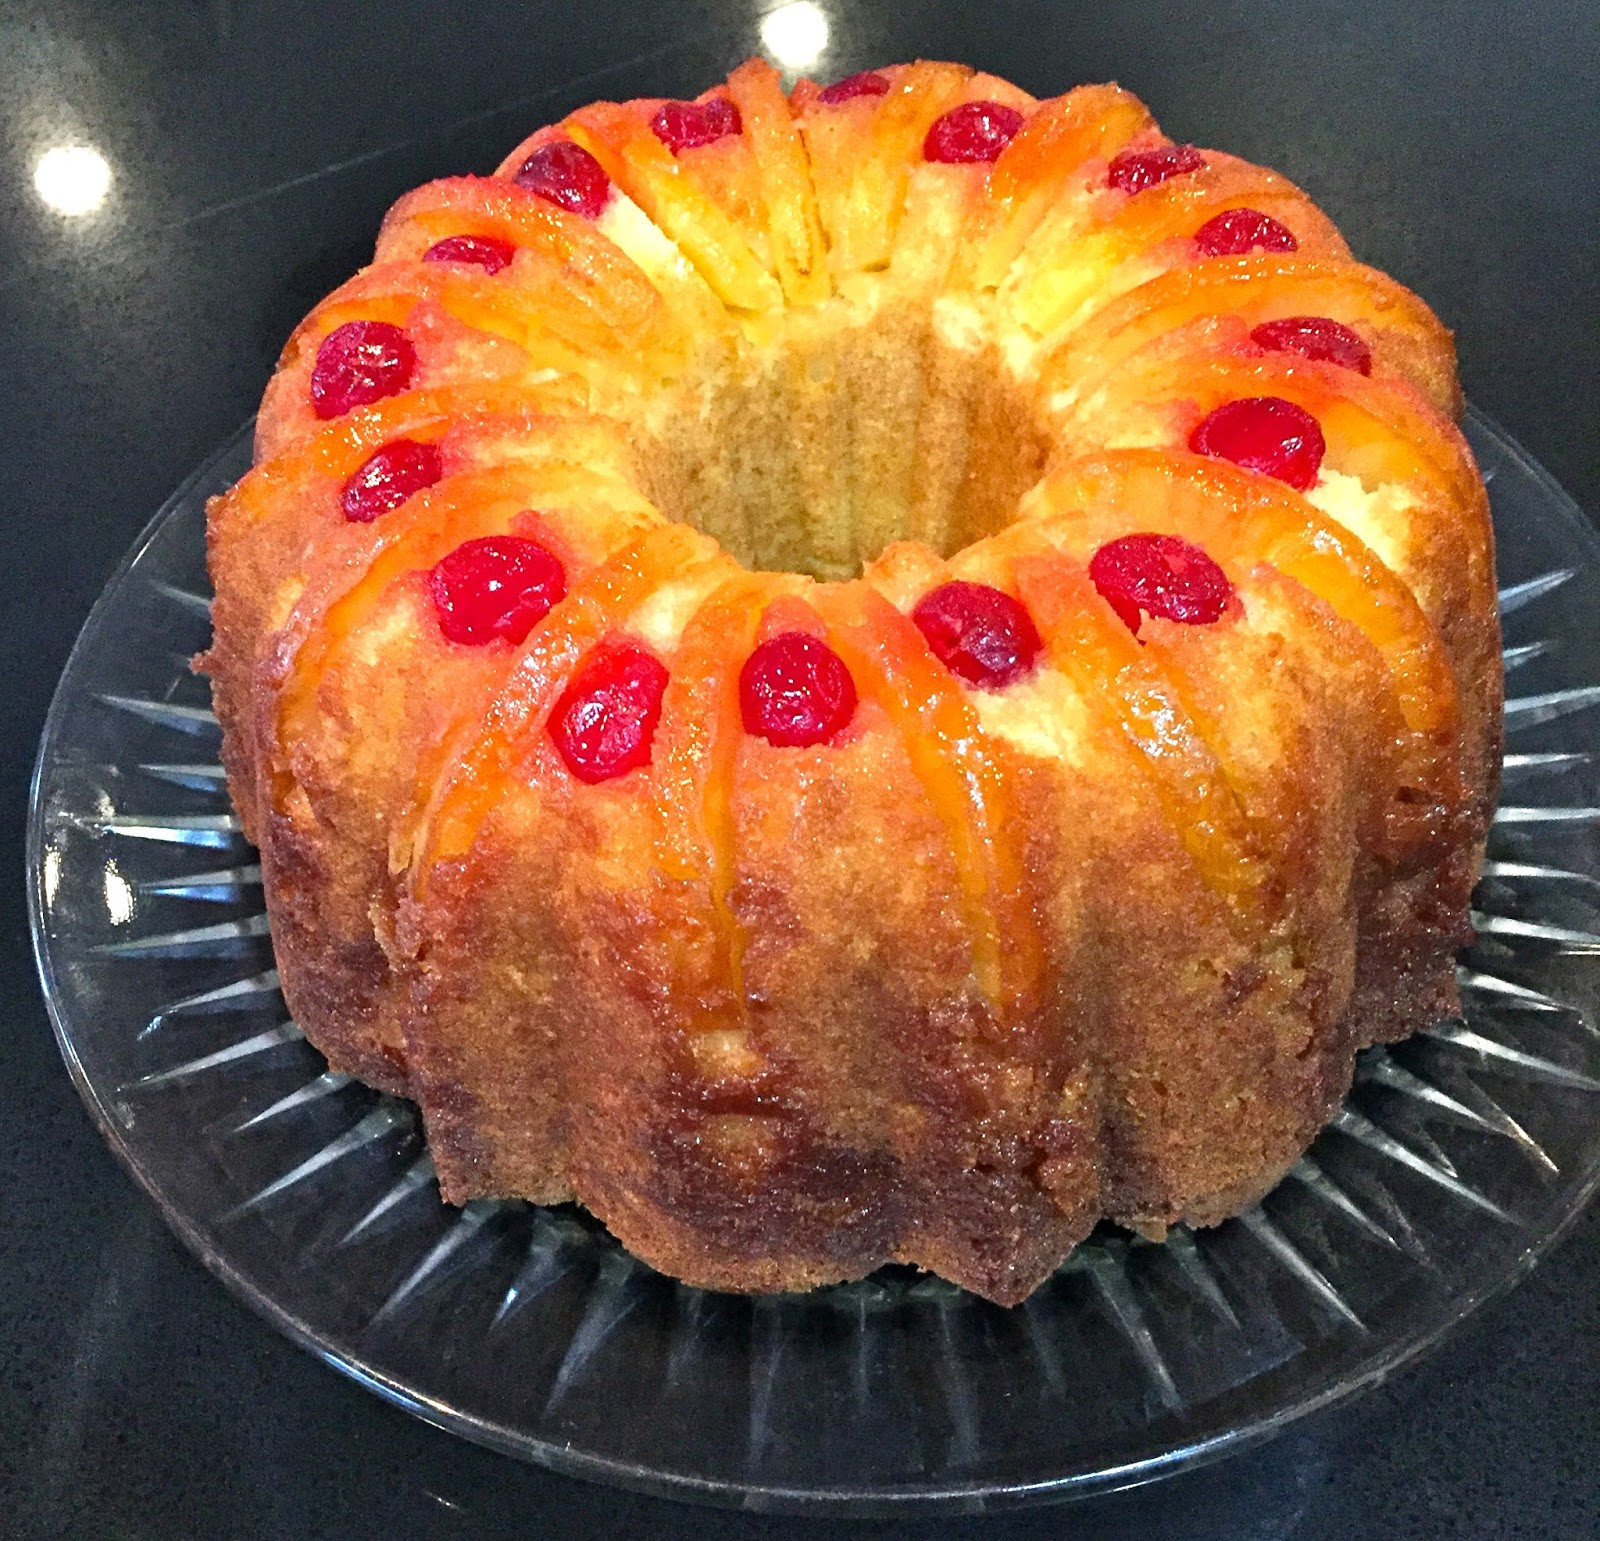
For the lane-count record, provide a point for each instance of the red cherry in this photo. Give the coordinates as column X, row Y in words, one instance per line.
column 1135, row 170
column 688, row 125
column 496, row 586
column 567, row 175
column 1161, row 575
column 1233, row 232
column 867, row 83
column 398, row 470
column 603, row 724
column 980, row 633
column 359, row 363
column 1316, row 337
column 1266, row 434
column 795, row 691
column 972, row 132
column 485, row 251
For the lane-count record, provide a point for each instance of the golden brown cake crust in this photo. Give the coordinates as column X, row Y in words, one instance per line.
column 990, row 962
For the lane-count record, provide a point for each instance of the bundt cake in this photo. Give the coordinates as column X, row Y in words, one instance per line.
column 878, row 672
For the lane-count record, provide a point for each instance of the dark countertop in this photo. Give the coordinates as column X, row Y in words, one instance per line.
column 255, row 145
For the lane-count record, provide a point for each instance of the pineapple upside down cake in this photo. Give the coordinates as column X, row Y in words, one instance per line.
column 878, row 672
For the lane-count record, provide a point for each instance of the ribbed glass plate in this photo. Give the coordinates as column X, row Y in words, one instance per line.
column 1458, row 1158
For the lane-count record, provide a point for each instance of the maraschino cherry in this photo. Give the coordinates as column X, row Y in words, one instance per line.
column 1267, row 434
column 978, row 632
column 1234, row 232
column 359, row 363
column 689, row 125
column 606, row 718
column 488, row 252
column 1315, row 337
column 795, row 691
column 498, row 587
column 400, row 469
column 567, row 175
column 1159, row 575
column 971, row 133
column 1135, row 170
column 866, row 83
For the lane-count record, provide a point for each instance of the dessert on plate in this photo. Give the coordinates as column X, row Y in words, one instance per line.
column 875, row 672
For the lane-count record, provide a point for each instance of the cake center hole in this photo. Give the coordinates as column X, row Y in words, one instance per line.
column 813, row 453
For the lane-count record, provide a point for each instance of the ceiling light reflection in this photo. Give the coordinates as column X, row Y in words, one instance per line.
column 120, row 897
column 72, row 179
column 795, row 35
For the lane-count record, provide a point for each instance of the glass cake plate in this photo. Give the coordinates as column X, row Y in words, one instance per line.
column 1457, row 1160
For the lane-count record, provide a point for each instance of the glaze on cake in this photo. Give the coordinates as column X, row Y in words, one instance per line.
column 877, row 672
